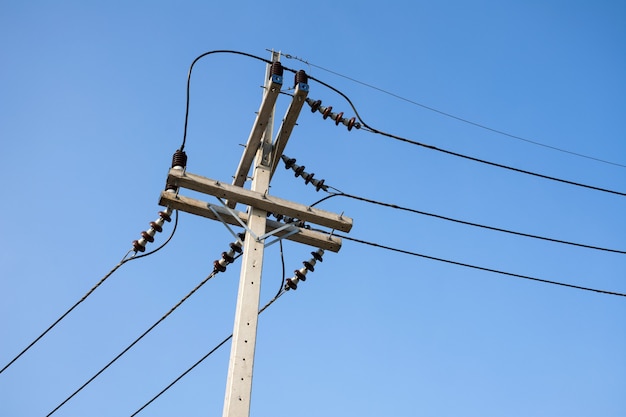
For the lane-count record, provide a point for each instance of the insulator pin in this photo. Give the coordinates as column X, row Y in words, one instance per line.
column 276, row 68
column 147, row 236
column 229, row 257
column 316, row 105
column 290, row 163
column 301, row 78
column 300, row 274
column 179, row 161
column 166, row 215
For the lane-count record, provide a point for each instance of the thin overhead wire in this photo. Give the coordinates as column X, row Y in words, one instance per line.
column 452, row 116
column 112, row 361
column 460, row 155
column 496, row 271
column 198, row 362
column 376, row 131
column 124, row 260
column 497, row 229
column 199, row 57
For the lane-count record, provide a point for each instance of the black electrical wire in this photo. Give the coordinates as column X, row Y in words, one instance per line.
column 220, row 51
column 185, row 298
column 497, row 229
column 460, row 155
column 125, row 259
column 379, row 132
column 282, row 262
column 198, row 362
column 496, row 271
column 500, row 132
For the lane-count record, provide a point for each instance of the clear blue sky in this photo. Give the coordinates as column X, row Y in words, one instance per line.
column 92, row 108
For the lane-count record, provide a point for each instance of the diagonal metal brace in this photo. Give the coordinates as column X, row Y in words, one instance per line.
column 291, row 229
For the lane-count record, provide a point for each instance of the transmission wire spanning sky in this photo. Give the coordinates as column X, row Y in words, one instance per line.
column 93, row 109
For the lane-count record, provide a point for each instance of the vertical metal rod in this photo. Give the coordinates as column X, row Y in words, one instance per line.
column 240, row 368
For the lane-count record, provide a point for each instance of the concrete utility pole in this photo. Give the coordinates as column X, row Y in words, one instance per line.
column 258, row 227
column 239, row 382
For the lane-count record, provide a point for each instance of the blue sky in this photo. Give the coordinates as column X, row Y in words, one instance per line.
column 93, row 105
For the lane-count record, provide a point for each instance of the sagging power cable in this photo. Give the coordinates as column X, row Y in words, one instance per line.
column 319, row 184
column 130, row 256
column 452, row 116
column 218, row 266
column 481, row 268
column 316, row 106
column 380, row 132
column 280, row 293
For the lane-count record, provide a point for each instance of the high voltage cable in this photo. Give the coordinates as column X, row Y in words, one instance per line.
column 379, row 132
column 406, row 252
column 460, row 155
column 198, row 362
column 204, row 281
column 125, row 259
column 500, row 132
column 115, row 268
column 218, row 267
column 497, row 229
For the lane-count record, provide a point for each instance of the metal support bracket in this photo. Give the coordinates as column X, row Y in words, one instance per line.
column 290, row 228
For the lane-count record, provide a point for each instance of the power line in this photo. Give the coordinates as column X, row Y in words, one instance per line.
column 125, row 259
column 218, row 266
column 115, row 268
column 376, row 131
column 497, row 229
column 500, row 132
column 434, row 148
column 191, row 67
column 406, row 252
column 198, row 362
column 309, row 178
column 133, row 343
